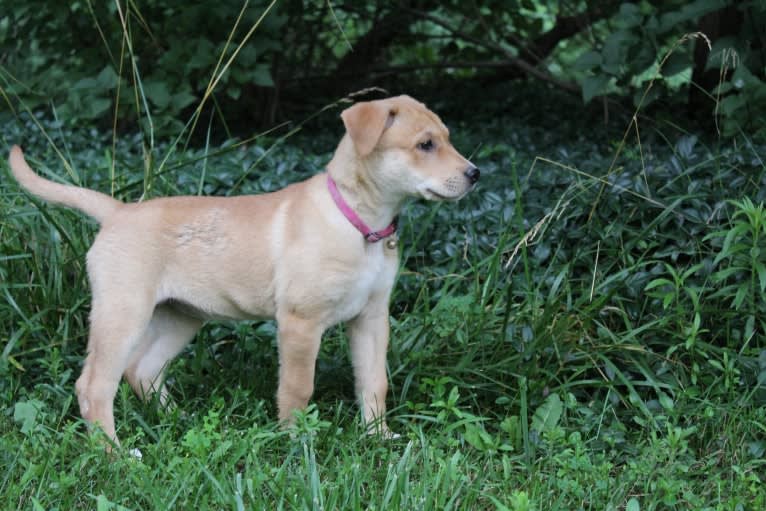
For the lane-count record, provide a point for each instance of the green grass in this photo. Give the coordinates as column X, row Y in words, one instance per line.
column 581, row 332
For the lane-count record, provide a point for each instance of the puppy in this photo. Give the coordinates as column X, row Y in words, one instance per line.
column 306, row 255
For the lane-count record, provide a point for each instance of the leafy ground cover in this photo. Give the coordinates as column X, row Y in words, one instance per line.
column 584, row 331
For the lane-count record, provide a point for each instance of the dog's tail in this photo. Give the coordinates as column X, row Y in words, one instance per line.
column 95, row 204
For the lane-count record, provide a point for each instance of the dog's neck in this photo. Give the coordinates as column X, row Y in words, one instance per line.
column 355, row 178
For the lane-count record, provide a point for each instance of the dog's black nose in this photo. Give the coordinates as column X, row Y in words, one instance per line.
column 472, row 174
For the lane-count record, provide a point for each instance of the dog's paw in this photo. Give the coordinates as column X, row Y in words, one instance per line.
column 382, row 431
column 390, row 435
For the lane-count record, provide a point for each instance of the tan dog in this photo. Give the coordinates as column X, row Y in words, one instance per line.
column 158, row 269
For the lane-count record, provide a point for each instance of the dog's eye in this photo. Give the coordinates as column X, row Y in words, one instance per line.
column 428, row 145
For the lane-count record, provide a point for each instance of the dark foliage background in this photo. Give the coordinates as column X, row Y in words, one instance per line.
column 153, row 61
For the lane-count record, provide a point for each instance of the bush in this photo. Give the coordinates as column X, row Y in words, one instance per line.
column 81, row 60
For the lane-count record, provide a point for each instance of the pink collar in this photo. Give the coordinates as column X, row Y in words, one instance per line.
column 350, row 214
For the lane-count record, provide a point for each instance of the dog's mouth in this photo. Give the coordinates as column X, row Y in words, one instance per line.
column 431, row 194
column 452, row 189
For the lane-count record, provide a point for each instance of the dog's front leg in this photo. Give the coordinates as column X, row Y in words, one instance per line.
column 299, row 341
column 368, row 335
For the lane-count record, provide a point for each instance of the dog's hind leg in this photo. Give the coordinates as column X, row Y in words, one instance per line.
column 169, row 331
column 118, row 323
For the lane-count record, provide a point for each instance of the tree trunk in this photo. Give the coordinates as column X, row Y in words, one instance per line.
column 566, row 26
column 540, row 48
column 365, row 53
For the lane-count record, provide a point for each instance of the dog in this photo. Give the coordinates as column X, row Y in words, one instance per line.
column 304, row 255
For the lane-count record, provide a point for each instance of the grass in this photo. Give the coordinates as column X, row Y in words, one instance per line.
column 578, row 333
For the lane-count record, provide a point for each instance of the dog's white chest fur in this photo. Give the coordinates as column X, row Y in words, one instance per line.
column 375, row 273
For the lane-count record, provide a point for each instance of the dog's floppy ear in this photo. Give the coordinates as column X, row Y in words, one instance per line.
column 365, row 123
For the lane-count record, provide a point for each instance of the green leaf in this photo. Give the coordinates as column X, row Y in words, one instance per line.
column 697, row 320
column 95, row 107
column 182, row 98
column 691, row 11
column 548, row 414
column 685, row 146
column 723, row 88
column 103, row 503
column 499, row 506
column 616, row 48
column 731, row 104
column 233, row 91
column 454, row 396
column 727, row 249
column 641, row 61
column 26, row 413
column 4, row 25
column 262, row 76
column 722, row 275
column 107, row 78
column 587, row 61
column 739, row 298
column 760, row 269
column 629, row 16
column 633, row 505
column 749, row 327
column 477, row 437
column 520, row 501
column 593, row 86
column 641, row 98
column 665, row 401
column 158, row 93
column 676, row 63
column 84, row 84
column 657, row 283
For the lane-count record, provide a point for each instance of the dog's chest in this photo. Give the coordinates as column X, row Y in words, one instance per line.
column 374, row 274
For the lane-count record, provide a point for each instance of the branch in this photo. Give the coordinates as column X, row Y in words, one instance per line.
column 511, row 59
column 405, row 68
column 565, row 27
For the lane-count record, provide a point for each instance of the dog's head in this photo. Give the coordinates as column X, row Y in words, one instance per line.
column 406, row 148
